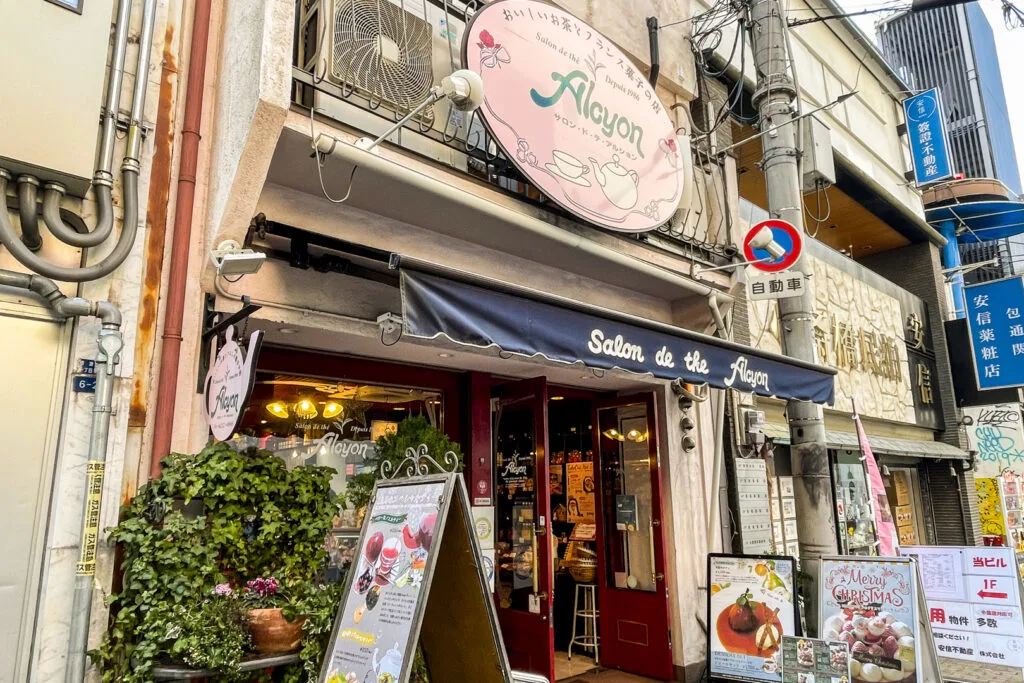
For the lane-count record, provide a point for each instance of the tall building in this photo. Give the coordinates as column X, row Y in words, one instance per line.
column 953, row 49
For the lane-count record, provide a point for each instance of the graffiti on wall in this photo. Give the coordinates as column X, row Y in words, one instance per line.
column 997, row 435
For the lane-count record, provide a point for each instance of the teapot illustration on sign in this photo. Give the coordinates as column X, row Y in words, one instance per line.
column 229, row 383
column 390, row 664
column 618, row 182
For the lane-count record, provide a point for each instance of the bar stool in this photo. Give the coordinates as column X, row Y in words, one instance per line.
column 589, row 638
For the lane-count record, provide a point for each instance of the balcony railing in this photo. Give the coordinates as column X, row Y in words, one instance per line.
column 367, row 63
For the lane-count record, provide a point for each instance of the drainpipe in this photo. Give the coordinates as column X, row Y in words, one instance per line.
column 951, row 259
column 110, row 344
column 23, row 249
column 184, row 204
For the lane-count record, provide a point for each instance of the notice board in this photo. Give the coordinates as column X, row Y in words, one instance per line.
column 418, row 577
column 974, row 606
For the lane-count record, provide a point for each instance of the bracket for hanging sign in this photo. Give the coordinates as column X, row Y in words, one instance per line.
column 213, row 324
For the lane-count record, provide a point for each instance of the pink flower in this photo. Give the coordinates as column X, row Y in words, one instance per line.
column 487, row 40
column 223, row 589
column 262, row 587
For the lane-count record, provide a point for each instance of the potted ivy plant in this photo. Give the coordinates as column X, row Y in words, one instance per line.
column 176, row 604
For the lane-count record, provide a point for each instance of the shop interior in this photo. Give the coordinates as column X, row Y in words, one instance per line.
column 327, row 409
column 583, row 521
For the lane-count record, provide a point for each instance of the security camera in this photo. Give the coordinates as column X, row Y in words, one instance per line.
column 764, row 239
column 231, row 260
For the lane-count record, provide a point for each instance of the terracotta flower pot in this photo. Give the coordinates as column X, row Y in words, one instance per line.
column 272, row 633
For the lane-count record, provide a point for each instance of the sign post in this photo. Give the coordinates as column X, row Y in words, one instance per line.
column 229, row 383
column 995, row 318
column 974, row 607
column 926, row 129
column 418, row 579
column 772, row 281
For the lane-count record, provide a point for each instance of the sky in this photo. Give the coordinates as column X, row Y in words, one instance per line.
column 1009, row 46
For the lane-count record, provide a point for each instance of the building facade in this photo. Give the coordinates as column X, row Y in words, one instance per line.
column 953, row 49
column 443, row 276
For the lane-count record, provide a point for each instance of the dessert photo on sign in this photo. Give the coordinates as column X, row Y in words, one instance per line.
column 749, row 614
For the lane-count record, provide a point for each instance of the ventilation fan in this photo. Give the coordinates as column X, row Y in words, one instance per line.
column 381, row 51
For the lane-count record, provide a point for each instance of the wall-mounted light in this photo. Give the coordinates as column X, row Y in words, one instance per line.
column 332, row 409
column 278, row 409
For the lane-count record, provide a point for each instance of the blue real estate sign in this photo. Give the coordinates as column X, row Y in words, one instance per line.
column 995, row 316
column 927, row 132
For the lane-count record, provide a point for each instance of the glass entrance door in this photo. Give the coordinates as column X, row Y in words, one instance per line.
column 523, row 558
column 632, row 593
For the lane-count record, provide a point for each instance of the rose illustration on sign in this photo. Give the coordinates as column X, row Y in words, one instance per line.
column 229, row 384
column 491, row 54
column 575, row 115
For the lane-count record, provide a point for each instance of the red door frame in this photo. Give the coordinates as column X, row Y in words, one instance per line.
column 532, row 635
column 637, row 611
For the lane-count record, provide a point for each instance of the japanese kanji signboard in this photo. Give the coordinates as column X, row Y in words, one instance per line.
column 774, row 285
column 973, row 600
column 995, row 317
column 927, row 134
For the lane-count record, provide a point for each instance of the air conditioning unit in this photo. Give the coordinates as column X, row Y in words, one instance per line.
column 381, row 50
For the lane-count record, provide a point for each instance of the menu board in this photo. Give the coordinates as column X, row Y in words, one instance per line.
column 783, row 510
column 871, row 604
column 750, row 609
column 580, row 488
column 372, row 634
column 752, row 499
column 812, row 660
column 974, row 606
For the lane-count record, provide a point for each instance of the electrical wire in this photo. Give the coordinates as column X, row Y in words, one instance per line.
column 1013, row 17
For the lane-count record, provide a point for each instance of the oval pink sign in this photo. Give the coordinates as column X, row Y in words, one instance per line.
column 575, row 115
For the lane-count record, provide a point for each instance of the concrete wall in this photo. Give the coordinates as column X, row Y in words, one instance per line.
column 918, row 269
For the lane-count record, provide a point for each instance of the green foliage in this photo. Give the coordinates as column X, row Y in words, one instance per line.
column 258, row 519
column 211, row 634
column 391, row 448
column 319, row 605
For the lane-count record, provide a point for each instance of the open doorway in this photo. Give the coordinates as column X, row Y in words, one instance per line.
column 575, row 500
column 579, row 551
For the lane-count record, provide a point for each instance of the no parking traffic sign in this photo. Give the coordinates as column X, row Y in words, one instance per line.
column 784, row 235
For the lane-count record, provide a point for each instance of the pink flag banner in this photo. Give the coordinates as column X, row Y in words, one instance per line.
column 884, row 526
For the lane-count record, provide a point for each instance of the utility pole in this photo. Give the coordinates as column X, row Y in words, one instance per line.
column 775, row 99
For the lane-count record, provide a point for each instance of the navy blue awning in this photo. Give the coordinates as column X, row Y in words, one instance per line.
column 530, row 324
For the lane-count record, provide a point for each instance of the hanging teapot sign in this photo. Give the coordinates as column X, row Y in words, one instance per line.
column 229, row 384
column 575, row 115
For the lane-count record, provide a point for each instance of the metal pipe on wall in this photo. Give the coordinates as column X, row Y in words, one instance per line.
column 30, row 241
column 110, row 344
column 170, row 353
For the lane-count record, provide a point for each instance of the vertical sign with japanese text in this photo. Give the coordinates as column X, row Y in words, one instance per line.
column 995, row 318
column 927, row 133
